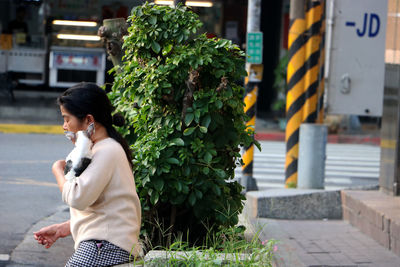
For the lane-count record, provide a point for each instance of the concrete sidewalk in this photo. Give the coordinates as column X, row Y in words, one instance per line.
column 367, row 235
column 323, row 243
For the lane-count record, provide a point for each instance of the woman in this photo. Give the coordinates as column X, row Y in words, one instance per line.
column 104, row 206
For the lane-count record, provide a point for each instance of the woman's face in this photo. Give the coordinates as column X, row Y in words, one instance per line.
column 71, row 122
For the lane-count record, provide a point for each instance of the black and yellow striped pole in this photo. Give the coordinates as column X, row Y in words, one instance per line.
column 295, row 83
column 303, row 77
column 312, row 58
column 254, row 67
column 321, row 86
column 250, row 100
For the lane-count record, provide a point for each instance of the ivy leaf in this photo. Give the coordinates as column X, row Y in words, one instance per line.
column 189, row 118
column 192, row 199
column 155, row 47
column 203, row 129
column 188, row 131
column 177, row 142
column 173, row 161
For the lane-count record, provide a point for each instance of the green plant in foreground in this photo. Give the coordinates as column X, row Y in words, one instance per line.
column 231, row 250
column 178, row 93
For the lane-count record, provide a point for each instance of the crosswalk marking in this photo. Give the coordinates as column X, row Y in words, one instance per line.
column 347, row 165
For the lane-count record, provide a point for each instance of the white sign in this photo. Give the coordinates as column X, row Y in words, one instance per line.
column 355, row 56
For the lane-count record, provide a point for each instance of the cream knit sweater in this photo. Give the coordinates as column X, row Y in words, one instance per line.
column 103, row 201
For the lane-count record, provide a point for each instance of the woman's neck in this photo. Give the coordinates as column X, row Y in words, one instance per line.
column 99, row 134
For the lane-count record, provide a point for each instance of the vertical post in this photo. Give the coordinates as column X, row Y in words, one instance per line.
column 312, row 58
column 321, row 80
column 253, row 25
column 295, row 81
column 304, row 75
column 312, row 155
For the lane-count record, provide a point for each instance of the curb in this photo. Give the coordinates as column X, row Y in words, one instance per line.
column 30, row 254
column 31, row 128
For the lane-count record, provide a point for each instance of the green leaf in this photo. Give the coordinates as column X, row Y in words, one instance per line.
column 203, row 129
column 155, row 47
column 178, row 200
column 206, row 121
column 154, row 197
column 158, row 184
column 219, row 73
column 216, row 190
column 177, row 142
column 189, row 118
column 197, row 115
column 185, row 189
column 167, row 48
column 152, row 20
column 199, row 194
column 207, row 157
column 173, row 161
column 218, row 103
column 220, row 173
column 188, row 131
column 178, row 186
column 192, row 199
column 186, row 171
column 206, row 170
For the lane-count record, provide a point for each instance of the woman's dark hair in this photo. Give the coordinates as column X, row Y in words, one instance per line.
column 88, row 98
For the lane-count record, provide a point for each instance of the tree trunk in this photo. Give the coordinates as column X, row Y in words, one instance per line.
column 176, row 2
column 112, row 33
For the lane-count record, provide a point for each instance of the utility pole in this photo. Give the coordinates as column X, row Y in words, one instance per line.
column 294, row 109
column 305, row 67
column 254, row 69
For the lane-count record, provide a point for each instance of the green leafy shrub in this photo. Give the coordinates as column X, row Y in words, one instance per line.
column 184, row 109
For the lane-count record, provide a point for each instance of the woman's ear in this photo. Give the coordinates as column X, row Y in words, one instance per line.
column 89, row 119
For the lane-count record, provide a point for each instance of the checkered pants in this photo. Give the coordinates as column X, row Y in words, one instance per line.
column 98, row 253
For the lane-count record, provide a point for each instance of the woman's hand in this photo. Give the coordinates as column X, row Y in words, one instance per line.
column 58, row 166
column 47, row 236
column 58, row 171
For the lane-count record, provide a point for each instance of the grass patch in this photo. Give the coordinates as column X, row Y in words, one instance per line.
column 227, row 247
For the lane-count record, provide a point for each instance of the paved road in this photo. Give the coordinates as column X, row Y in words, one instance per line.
column 347, row 165
column 28, row 191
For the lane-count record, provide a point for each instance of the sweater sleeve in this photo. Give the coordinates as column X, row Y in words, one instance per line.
column 83, row 191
